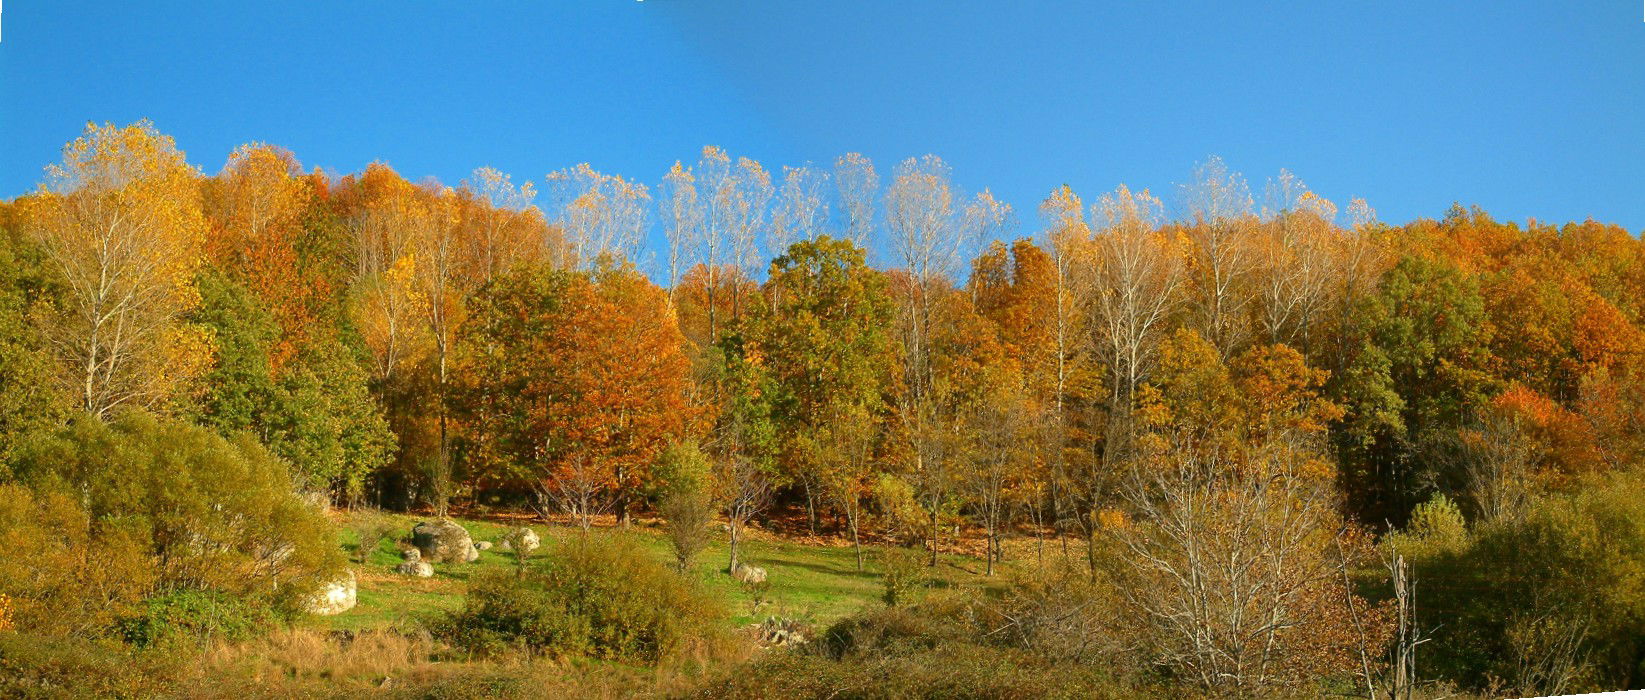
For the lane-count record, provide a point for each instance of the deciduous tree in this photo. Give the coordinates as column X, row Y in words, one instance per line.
column 120, row 219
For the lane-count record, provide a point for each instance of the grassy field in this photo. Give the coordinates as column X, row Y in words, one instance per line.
column 818, row 583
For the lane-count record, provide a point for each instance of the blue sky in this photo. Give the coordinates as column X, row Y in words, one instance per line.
column 1527, row 109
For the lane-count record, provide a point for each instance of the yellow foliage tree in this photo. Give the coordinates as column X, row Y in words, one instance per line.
column 120, row 218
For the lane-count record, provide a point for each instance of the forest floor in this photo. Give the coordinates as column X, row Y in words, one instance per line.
column 813, row 578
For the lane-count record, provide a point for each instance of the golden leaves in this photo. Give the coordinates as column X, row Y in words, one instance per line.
column 188, row 353
column 121, row 218
column 1113, row 519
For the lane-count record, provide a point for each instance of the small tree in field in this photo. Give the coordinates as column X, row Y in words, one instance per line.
column 746, row 491
column 370, row 529
column 686, row 503
column 900, row 568
column 520, row 543
column 577, row 489
column 744, row 444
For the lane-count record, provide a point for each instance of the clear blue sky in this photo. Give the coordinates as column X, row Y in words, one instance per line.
column 1527, row 109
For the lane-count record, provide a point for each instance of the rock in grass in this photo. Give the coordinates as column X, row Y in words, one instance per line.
column 337, row 596
column 443, row 541
column 527, row 540
column 420, row 569
column 482, row 545
column 749, row 574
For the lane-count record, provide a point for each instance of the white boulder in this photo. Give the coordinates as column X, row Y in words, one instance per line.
column 420, row 569
column 525, row 536
column 748, row 574
column 337, row 596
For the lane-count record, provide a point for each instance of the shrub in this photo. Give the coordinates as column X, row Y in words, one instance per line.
column 602, row 596
column 688, row 516
column 217, row 514
column 1061, row 615
column 886, row 631
column 521, row 543
column 41, row 666
column 926, row 651
column 68, row 577
column 196, row 617
column 685, row 503
column 900, row 573
column 1435, row 528
column 370, row 529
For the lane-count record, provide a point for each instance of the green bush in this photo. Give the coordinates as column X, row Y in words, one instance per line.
column 196, row 617
column 902, row 573
column 210, row 513
column 1553, row 603
column 506, row 612
column 1435, row 528
column 601, row 596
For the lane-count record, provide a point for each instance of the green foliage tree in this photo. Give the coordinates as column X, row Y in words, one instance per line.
column 1546, row 605
column 318, row 414
column 29, row 401
column 822, row 338
column 330, row 427
column 1423, row 366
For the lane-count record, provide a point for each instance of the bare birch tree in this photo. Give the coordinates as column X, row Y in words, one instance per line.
column 1219, row 227
column 983, row 221
column 925, row 236
column 1295, row 254
column 1067, row 238
column 1357, row 261
column 603, row 217
column 508, row 228
column 858, row 186
column 716, row 211
column 388, row 301
column 682, row 221
column 439, row 242
column 1137, row 276
column 802, row 207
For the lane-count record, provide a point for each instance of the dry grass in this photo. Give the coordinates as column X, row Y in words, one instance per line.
column 306, row 662
column 367, row 661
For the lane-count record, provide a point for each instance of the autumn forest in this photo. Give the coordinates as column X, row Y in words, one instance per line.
column 1232, row 439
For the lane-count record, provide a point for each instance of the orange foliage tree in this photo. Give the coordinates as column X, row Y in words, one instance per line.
column 574, row 384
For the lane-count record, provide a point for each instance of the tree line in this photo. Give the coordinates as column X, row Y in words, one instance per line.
column 1260, row 375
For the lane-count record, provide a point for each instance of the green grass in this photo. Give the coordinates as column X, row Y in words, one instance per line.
column 819, row 584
